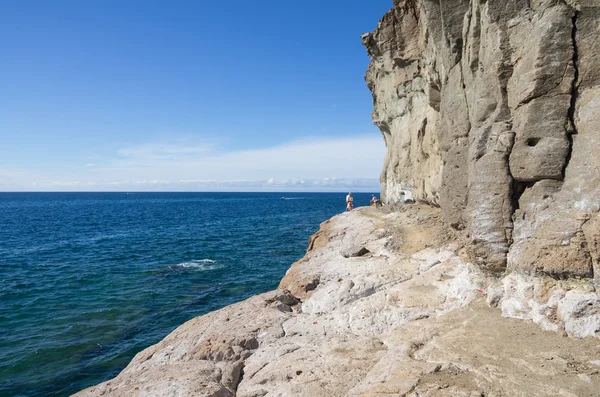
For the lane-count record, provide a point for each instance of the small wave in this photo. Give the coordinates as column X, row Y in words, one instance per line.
column 293, row 198
column 198, row 264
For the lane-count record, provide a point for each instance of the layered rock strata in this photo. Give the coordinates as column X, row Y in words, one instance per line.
column 490, row 110
column 407, row 318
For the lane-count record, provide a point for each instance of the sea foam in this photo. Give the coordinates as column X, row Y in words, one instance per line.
column 199, row 264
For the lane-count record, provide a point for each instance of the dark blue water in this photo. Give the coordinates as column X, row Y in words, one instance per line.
column 87, row 280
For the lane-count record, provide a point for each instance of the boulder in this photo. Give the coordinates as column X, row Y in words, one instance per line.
column 354, row 252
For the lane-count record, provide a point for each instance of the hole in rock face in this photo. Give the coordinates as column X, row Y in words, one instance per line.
column 532, row 141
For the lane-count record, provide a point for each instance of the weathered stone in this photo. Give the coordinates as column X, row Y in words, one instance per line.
column 591, row 231
column 478, row 103
column 475, row 353
column 581, row 314
column 407, row 319
column 453, row 131
column 204, row 356
column 354, row 252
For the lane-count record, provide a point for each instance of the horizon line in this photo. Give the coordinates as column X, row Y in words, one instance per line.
column 175, row 191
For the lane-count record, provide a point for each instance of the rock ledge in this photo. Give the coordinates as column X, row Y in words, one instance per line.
column 408, row 319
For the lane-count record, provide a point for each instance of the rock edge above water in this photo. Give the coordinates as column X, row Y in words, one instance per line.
column 409, row 319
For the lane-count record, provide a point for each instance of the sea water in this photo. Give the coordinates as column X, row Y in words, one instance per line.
column 87, row 280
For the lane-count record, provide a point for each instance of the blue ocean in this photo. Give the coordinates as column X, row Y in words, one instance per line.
column 90, row 279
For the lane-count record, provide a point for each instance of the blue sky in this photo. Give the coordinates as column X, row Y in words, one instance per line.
column 186, row 95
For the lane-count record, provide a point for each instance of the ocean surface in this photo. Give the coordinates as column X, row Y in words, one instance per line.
column 87, row 280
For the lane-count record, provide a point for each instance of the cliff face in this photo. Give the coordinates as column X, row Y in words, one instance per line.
column 491, row 110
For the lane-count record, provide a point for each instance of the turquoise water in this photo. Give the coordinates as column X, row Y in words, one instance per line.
column 90, row 279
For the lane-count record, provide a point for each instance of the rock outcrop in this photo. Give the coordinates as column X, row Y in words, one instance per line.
column 490, row 110
column 408, row 318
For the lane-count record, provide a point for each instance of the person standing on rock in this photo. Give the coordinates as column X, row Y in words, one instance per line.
column 349, row 202
column 376, row 201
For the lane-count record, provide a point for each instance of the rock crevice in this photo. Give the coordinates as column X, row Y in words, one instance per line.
column 574, row 92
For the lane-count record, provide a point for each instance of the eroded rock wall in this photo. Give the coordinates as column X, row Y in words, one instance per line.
column 491, row 110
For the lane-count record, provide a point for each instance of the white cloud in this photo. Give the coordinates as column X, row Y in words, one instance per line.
column 63, row 184
column 11, row 180
column 152, row 182
column 315, row 158
column 272, row 184
column 149, row 153
column 310, row 164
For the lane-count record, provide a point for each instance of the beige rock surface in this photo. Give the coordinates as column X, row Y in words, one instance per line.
column 490, row 109
column 408, row 318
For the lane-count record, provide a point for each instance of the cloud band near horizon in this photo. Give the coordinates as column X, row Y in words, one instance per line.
column 315, row 164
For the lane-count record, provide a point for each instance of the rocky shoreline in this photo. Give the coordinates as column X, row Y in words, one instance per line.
column 409, row 317
column 489, row 111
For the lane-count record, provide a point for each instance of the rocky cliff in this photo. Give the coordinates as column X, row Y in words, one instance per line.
column 491, row 110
